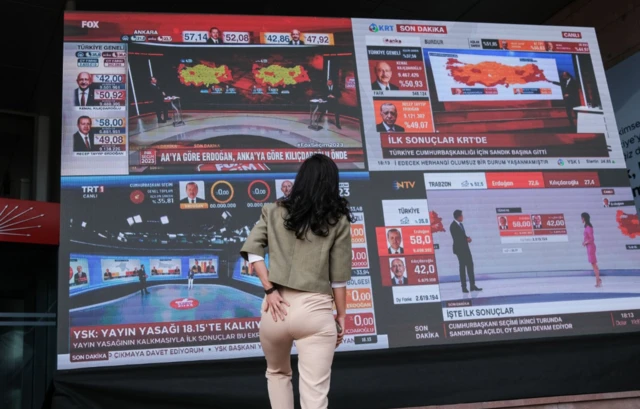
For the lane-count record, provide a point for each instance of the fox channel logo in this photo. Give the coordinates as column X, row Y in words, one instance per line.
column 376, row 28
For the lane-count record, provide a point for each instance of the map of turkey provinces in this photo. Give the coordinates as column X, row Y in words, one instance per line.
column 628, row 224
column 205, row 73
column 277, row 75
column 491, row 73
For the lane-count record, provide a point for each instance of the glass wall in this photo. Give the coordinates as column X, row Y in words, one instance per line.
column 27, row 324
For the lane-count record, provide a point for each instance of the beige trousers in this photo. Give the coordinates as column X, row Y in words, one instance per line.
column 311, row 324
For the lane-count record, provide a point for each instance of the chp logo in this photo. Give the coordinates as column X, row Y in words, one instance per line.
column 377, row 28
column 259, row 191
column 91, row 192
column 184, row 303
column 222, row 192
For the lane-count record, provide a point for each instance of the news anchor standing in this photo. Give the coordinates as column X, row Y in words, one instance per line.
column 309, row 238
column 463, row 252
column 333, row 95
column 157, row 100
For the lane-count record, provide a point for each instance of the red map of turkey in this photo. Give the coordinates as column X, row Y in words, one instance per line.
column 491, row 73
column 628, row 224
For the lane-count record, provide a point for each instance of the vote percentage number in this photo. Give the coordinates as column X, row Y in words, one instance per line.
column 359, row 255
column 236, row 37
column 416, row 124
column 109, row 122
column 521, row 224
column 359, row 258
column 317, row 39
column 420, row 239
column 357, row 234
column 424, row 269
column 275, row 38
column 411, row 83
column 358, row 295
column 109, row 140
column 555, row 223
column 195, row 36
column 102, row 94
column 109, row 78
column 362, row 323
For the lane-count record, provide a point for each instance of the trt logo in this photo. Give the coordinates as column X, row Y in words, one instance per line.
column 90, row 24
column 407, row 184
column 92, row 189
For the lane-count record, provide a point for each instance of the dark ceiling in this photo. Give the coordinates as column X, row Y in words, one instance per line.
column 32, row 39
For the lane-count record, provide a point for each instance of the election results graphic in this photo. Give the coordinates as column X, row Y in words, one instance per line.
column 481, row 162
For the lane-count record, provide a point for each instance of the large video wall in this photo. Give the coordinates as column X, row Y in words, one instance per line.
column 177, row 129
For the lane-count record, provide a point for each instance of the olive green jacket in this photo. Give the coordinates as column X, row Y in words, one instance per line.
column 307, row 265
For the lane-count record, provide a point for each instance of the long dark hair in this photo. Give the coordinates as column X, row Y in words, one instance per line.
column 587, row 219
column 314, row 202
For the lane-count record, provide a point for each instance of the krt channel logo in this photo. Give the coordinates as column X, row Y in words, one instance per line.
column 377, row 28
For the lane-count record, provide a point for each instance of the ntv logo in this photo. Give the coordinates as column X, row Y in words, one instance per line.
column 397, row 185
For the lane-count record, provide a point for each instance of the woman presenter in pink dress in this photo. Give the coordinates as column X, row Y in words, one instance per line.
column 589, row 242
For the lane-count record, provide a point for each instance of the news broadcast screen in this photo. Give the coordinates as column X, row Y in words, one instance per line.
column 481, row 162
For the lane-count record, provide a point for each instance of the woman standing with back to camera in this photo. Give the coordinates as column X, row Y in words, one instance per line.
column 309, row 238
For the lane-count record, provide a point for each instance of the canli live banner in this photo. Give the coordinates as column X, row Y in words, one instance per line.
column 482, row 164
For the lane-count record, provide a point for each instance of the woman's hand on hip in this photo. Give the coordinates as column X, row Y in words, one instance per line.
column 340, row 320
column 275, row 304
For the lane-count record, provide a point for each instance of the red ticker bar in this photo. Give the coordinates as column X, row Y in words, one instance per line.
column 200, row 155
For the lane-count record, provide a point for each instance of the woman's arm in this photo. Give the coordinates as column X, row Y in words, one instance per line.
column 340, row 298
column 340, row 271
column 588, row 236
column 274, row 299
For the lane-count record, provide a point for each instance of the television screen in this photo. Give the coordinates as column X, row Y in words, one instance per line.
column 482, row 164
